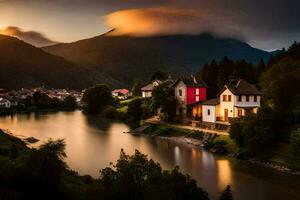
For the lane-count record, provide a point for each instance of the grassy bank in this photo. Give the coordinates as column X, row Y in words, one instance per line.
column 212, row 141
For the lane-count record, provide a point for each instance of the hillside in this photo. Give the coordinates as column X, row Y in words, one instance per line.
column 126, row 58
column 23, row 65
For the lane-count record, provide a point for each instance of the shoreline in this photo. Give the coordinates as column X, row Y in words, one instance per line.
column 197, row 143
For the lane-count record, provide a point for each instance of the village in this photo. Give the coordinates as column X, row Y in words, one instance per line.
column 235, row 100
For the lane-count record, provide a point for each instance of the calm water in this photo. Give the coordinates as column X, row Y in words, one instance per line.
column 92, row 143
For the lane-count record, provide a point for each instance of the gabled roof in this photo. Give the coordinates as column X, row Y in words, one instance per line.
column 212, row 102
column 149, row 86
column 241, row 87
column 191, row 82
column 122, row 91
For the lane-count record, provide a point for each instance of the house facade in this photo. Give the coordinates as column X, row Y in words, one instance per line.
column 147, row 89
column 235, row 100
column 189, row 93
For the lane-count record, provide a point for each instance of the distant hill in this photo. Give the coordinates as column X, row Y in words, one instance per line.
column 23, row 65
column 126, row 58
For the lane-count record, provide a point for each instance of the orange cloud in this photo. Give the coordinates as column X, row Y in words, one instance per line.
column 32, row 37
column 151, row 21
column 164, row 20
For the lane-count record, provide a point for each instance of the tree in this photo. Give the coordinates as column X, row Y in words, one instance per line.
column 261, row 67
column 96, row 98
column 14, row 153
column 136, row 89
column 135, row 112
column 158, row 75
column 295, row 141
column 163, row 98
column 227, row 194
column 137, row 177
column 69, row 102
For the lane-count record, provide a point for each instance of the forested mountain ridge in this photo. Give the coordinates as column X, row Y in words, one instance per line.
column 23, row 65
column 126, row 58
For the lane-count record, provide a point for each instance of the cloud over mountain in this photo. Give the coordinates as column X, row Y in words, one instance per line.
column 166, row 20
column 31, row 37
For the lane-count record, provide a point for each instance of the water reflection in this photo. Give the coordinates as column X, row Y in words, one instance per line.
column 224, row 173
column 92, row 143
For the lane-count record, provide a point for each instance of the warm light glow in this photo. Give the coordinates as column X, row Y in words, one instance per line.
column 151, row 21
column 224, row 173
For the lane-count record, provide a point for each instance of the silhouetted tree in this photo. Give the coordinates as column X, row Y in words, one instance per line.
column 96, row 98
column 227, row 194
column 136, row 89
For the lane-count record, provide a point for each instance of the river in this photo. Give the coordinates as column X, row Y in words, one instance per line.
column 92, row 143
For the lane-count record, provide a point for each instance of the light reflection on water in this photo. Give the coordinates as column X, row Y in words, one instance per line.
column 92, row 143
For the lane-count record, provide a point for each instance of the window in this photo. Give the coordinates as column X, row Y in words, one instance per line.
column 180, row 92
column 229, row 97
column 197, row 91
column 208, row 111
column 197, row 98
column 224, row 97
column 247, row 98
column 240, row 112
column 255, row 98
column 180, row 110
column 240, row 98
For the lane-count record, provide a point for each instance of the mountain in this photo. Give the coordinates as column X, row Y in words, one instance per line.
column 126, row 57
column 23, row 65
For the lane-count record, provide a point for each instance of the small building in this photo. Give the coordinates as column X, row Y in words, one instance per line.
column 4, row 103
column 190, row 93
column 120, row 93
column 235, row 100
column 147, row 89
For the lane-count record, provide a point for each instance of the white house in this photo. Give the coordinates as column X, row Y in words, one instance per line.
column 4, row 103
column 147, row 89
column 235, row 100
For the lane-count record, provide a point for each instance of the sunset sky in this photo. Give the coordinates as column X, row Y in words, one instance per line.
column 266, row 24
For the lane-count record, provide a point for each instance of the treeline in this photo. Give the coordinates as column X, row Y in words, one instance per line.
column 264, row 134
column 217, row 74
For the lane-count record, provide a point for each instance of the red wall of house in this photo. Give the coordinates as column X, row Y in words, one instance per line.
column 191, row 97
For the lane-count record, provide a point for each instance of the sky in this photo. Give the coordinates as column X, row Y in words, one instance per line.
column 264, row 24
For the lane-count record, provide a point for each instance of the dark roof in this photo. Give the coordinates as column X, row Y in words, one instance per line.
column 241, row 87
column 149, row 86
column 191, row 82
column 212, row 102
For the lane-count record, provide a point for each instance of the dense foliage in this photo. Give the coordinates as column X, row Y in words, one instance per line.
column 280, row 111
column 96, row 98
column 163, row 98
column 217, row 74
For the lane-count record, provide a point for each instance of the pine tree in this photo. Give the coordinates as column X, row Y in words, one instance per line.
column 227, row 194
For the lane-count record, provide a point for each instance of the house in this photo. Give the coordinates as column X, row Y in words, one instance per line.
column 235, row 100
column 120, row 93
column 4, row 103
column 147, row 89
column 190, row 93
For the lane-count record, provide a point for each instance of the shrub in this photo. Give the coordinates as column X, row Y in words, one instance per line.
column 295, row 140
column 110, row 112
column 14, row 153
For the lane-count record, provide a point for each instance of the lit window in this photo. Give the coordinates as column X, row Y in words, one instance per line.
column 197, row 91
column 197, row 98
column 224, row 97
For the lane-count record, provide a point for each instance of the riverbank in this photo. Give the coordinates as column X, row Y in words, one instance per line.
column 211, row 142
